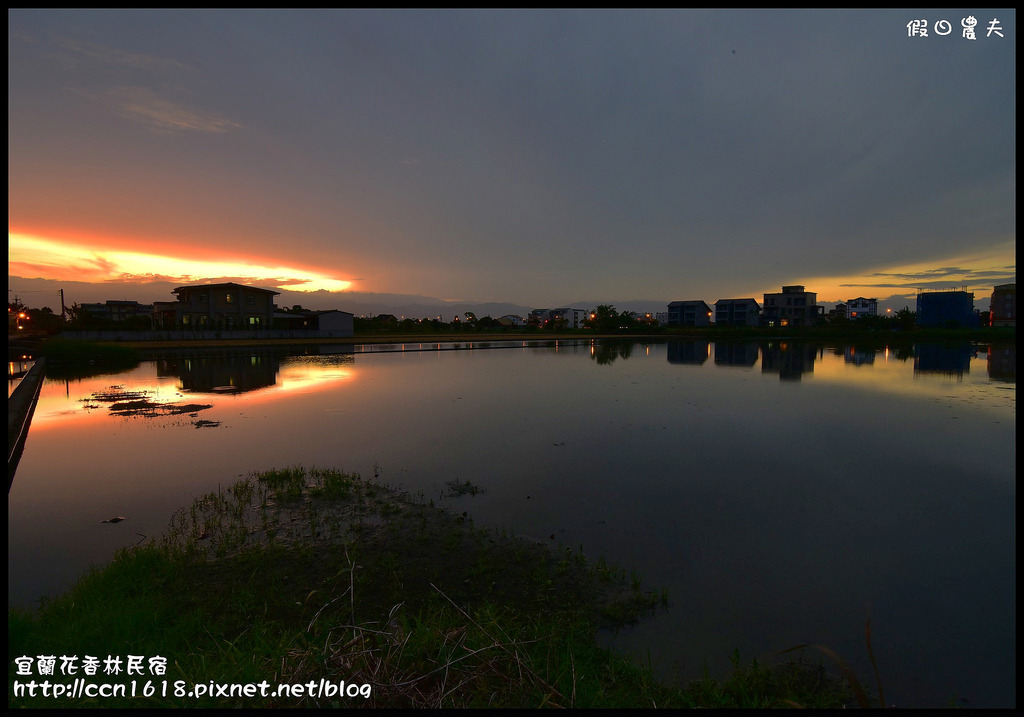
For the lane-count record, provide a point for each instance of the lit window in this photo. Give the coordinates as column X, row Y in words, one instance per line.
column 230, row 298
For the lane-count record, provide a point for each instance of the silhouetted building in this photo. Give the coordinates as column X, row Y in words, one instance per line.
column 565, row 317
column 839, row 312
column 1003, row 306
column 946, row 309
column 218, row 306
column 511, row 320
column 117, row 310
column 737, row 312
column 689, row 313
column 792, row 307
column 330, row 322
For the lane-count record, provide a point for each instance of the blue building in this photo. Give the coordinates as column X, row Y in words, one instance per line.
column 946, row 309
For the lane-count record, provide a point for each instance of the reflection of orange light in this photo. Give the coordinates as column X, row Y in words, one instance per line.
column 57, row 409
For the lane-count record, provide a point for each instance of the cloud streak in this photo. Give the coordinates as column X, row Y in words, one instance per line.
column 114, row 56
column 162, row 115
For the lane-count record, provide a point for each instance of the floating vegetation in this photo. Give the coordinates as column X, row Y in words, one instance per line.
column 138, row 403
column 152, row 408
column 456, row 489
column 203, row 423
column 117, row 393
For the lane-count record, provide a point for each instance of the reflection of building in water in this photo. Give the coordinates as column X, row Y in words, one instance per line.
column 205, row 374
column 689, row 352
column 735, row 353
column 858, row 357
column 940, row 359
column 1002, row 363
column 788, row 359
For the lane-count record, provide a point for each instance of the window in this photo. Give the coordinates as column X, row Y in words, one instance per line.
column 250, row 300
column 229, row 297
column 203, row 298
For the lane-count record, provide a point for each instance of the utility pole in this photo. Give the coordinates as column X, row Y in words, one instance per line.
column 63, row 311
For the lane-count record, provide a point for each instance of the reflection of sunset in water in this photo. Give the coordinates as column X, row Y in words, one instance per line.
column 886, row 370
column 300, row 377
column 65, row 403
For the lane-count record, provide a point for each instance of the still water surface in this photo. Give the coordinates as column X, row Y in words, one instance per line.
column 783, row 493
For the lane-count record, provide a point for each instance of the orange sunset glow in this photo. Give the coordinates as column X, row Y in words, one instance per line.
column 30, row 255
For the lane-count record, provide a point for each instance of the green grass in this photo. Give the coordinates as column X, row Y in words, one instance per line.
column 299, row 574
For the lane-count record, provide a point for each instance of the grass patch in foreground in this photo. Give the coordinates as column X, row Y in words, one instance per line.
column 300, row 575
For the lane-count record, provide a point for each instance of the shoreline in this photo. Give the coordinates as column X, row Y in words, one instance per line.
column 970, row 335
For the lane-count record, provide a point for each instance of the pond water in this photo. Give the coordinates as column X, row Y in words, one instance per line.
column 782, row 492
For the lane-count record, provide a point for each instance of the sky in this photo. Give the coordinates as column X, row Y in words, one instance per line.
column 535, row 157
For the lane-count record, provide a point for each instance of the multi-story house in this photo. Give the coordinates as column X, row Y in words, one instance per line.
column 218, row 306
column 689, row 313
column 792, row 307
column 737, row 312
column 946, row 309
column 839, row 312
column 564, row 318
column 1003, row 306
column 860, row 307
